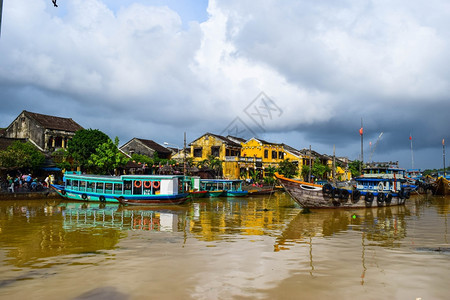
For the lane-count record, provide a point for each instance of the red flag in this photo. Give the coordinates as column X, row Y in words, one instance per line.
column 410, row 137
column 361, row 131
column 443, row 142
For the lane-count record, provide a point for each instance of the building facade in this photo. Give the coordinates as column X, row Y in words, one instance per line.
column 47, row 133
column 145, row 147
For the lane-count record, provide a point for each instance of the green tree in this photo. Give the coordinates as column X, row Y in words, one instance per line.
column 319, row 169
column 107, row 157
column 61, row 158
column 288, row 168
column 354, row 167
column 305, row 173
column 84, row 143
column 21, row 155
column 142, row 159
column 269, row 175
column 212, row 163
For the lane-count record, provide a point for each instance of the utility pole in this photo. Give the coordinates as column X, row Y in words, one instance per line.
column 334, row 164
column 310, row 164
column 362, row 150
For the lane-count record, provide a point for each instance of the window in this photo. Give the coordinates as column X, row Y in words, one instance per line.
column 198, row 152
column 266, row 153
column 215, row 151
column 281, row 155
column 274, row 154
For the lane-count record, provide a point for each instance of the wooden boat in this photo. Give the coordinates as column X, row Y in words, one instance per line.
column 441, row 187
column 259, row 192
column 223, row 187
column 127, row 189
column 310, row 195
column 197, row 194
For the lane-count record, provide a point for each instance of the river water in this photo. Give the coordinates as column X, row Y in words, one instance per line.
column 261, row 247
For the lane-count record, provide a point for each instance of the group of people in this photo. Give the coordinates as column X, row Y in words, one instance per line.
column 27, row 183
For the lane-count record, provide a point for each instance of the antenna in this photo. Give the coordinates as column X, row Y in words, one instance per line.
column 375, row 146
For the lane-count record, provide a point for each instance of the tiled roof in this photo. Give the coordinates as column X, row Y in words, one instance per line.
column 155, row 146
column 292, row 150
column 52, row 122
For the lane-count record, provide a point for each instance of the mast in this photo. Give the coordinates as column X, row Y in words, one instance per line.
column 443, row 152
column 184, row 155
column 362, row 149
column 1, row 8
column 412, row 153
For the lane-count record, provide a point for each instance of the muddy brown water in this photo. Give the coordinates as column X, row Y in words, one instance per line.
column 263, row 247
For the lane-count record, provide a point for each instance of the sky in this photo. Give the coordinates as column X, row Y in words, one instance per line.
column 303, row 73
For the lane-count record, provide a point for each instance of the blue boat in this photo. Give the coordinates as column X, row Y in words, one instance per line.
column 126, row 189
column 223, row 187
column 385, row 182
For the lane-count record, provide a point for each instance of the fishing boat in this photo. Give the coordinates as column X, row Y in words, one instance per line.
column 127, row 189
column 372, row 190
column 441, row 187
column 223, row 187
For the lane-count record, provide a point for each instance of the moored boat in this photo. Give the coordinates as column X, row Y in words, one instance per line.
column 310, row 195
column 441, row 187
column 223, row 187
column 127, row 189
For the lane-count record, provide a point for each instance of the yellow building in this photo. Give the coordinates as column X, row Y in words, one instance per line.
column 258, row 155
column 223, row 148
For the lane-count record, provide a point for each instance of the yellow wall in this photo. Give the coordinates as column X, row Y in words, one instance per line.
column 230, row 169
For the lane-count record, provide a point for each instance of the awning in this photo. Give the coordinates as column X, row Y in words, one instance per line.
column 50, row 169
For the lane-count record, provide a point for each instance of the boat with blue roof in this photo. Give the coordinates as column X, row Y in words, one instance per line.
column 126, row 189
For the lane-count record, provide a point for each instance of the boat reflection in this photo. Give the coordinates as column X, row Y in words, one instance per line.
column 106, row 215
column 384, row 225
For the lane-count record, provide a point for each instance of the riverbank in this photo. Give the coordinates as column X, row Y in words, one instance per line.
column 46, row 194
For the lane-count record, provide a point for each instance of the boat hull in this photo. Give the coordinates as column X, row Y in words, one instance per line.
column 214, row 194
column 236, row 193
column 127, row 199
column 162, row 200
column 198, row 194
column 313, row 196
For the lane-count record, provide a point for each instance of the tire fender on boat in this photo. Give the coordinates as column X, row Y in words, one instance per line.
column 356, row 195
column 388, row 198
column 381, row 197
column 327, row 189
column 63, row 192
column 343, row 195
column 102, row 198
column 369, row 197
column 335, row 193
column 84, row 196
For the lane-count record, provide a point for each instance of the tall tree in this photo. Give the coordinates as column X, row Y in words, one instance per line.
column 107, row 157
column 84, row 143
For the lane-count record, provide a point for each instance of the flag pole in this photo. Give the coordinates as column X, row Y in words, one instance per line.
column 1, row 8
column 412, row 153
column 362, row 148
